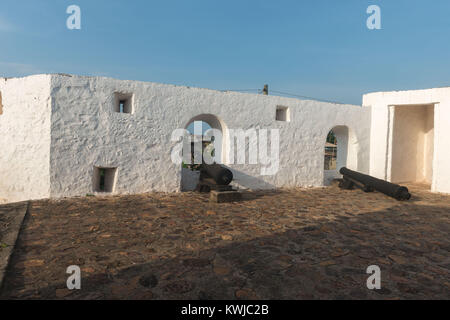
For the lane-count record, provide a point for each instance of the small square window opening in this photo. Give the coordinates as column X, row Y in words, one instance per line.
column 123, row 102
column 283, row 114
column 104, row 179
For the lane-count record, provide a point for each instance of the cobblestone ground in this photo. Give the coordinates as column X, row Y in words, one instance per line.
column 289, row 244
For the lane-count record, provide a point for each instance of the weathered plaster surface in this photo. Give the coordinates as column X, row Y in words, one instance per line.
column 25, row 138
column 86, row 132
column 56, row 128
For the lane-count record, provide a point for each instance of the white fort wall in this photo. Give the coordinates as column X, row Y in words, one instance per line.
column 409, row 139
column 87, row 132
column 25, row 138
column 54, row 129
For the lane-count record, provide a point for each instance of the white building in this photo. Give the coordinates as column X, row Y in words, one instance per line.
column 409, row 138
column 58, row 133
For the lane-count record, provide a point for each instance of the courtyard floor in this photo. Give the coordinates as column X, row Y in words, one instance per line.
column 288, row 244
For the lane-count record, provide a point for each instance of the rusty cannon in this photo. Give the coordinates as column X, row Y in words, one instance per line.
column 369, row 184
column 216, row 179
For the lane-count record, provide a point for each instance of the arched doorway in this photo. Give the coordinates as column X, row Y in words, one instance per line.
column 207, row 145
column 341, row 150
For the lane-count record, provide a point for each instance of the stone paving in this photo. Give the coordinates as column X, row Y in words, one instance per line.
column 286, row 244
column 11, row 219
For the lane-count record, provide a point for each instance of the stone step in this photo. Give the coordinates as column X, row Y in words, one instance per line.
column 225, row 196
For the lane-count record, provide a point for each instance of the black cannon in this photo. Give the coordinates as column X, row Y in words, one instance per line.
column 370, row 184
column 221, row 175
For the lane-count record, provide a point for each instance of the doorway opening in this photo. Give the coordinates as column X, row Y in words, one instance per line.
column 341, row 150
column 331, row 152
column 208, row 131
column 413, row 144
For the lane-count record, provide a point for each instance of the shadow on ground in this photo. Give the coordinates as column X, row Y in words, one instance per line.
column 297, row 244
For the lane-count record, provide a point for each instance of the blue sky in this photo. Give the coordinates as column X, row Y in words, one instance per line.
column 319, row 48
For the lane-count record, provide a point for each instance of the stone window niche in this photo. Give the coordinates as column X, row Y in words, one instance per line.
column 123, row 102
column 105, row 179
column 283, row 114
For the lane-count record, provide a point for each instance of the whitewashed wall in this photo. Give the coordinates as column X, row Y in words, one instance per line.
column 87, row 133
column 25, row 138
column 383, row 118
column 55, row 128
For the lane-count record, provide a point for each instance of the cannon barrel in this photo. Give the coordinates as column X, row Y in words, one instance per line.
column 369, row 182
column 221, row 175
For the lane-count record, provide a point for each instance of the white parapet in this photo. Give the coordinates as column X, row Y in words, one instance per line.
column 73, row 128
